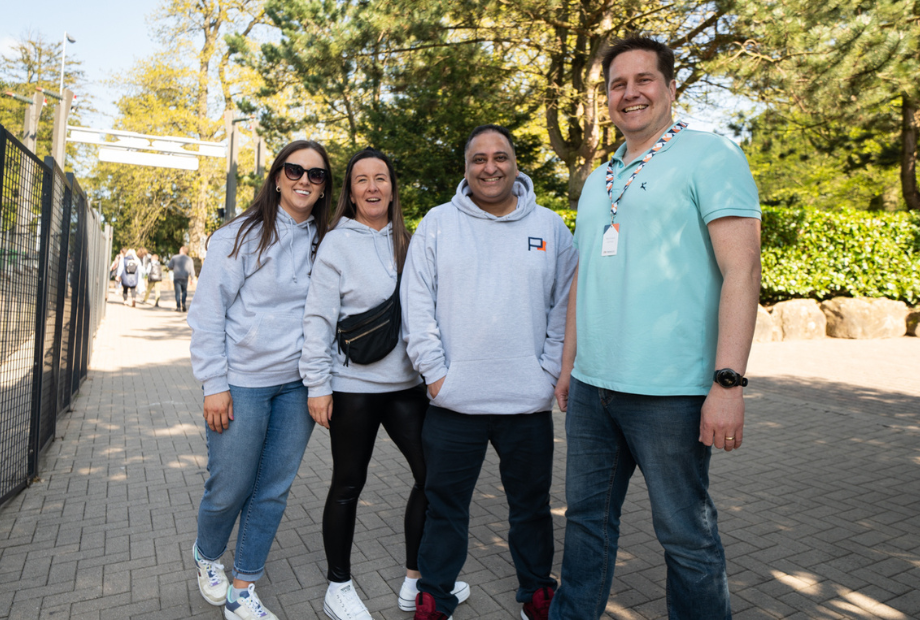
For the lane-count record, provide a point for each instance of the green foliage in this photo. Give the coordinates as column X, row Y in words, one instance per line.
column 568, row 216
column 33, row 61
column 796, row 165
column 820, row 254
column 150, row 207
column 840, row 74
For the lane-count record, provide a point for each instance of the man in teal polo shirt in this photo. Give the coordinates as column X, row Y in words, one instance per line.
column 659, row 327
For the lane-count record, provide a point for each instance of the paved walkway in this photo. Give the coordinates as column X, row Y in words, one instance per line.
column 820, row 510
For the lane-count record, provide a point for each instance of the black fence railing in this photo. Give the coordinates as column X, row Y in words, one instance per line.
column 53, row 253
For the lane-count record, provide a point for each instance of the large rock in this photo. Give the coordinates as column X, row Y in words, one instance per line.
column 766, row 330
column 913, row 319
column 865, row 317
column 799, row 319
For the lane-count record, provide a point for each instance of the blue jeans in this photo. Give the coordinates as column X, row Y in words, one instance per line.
column 180, row 287
column 455, row 446
column 608, row 434
column 252, row 466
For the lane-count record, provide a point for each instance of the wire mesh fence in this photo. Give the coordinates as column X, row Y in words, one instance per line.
column 51, row 302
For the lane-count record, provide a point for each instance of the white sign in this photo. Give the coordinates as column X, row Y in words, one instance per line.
column 157, row 160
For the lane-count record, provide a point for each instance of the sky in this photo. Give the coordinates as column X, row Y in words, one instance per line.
column 112, row 35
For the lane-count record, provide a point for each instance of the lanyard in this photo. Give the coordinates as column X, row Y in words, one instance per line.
column 673, row 131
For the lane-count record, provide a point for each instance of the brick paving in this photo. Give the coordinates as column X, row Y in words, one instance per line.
column 819, row 511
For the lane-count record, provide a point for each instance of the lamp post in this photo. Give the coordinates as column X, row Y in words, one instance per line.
column 67, row 38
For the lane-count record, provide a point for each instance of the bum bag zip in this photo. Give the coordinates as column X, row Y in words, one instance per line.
column 389, row 304
column 348, row 341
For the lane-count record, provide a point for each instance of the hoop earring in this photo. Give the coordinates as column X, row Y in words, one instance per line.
column 321, row 194
column 278, row 188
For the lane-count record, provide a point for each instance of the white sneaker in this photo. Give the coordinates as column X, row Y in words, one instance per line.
column 343, row 603
column 212, row 581
column 247, row 606
column 409, row 591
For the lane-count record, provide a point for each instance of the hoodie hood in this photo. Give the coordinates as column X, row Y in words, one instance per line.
column 523, row 189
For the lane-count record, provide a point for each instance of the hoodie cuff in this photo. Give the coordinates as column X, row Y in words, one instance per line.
column 434, row 375
column 320, row 390
column 216, row 385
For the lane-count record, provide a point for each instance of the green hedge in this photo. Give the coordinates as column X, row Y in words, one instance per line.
column 823, row 254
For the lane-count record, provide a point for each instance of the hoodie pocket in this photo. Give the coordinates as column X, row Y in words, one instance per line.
column 272, row 344
column 505, row 385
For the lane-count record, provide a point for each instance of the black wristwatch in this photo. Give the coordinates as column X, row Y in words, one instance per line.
column 728, row 378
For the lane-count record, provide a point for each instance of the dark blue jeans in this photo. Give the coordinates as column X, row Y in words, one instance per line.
column 455, row 446
column 608, row 434
column 180, row 285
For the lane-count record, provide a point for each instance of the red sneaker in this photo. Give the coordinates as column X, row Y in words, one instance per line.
column 425, row 608
column 538, row 608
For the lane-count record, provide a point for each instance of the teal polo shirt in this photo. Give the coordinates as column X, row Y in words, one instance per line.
column 647, row 318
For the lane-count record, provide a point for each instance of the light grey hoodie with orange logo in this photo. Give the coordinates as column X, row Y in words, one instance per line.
column 484, row 302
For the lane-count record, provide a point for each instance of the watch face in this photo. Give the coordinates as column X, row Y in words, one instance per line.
column 726, row 378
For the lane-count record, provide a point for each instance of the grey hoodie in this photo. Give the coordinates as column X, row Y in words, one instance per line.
column 354, row 272
column 484, row 302
column 247, row 315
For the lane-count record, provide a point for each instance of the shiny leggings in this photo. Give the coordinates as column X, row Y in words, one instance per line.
column 353, row 431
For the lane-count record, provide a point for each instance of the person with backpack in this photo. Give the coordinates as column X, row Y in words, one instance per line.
column 129, row 272
column 154, row 278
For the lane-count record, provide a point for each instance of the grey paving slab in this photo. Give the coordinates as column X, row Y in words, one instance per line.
column 819, row 511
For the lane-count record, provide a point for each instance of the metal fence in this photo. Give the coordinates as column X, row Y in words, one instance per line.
column 53, row 278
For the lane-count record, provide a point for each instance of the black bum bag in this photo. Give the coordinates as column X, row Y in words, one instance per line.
column 370, row 336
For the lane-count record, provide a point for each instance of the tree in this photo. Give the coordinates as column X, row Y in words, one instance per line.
column 397, row 82
column 151, row 204
column 354, row 55
column 35, row 62
column 825, row 66
column 846, row 166
column 203, row 23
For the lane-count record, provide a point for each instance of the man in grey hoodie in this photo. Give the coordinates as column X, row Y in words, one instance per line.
column 484, row 296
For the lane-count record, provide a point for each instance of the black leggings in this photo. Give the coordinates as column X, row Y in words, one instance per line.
column 353, row 431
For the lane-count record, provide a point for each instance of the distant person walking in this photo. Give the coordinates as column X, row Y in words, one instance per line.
column 113, row 268
column 154, row 278
column 128, row 273
column 182, row 269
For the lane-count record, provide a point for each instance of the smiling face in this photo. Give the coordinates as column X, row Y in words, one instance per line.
column 639, row 98
column 298, row 197
column 371, row 192
column 490, row 172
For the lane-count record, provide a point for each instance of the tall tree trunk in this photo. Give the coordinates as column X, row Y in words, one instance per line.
column 909, row 126
column 199, row 216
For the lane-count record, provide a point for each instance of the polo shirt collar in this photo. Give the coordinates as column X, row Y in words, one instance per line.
column 621, row 151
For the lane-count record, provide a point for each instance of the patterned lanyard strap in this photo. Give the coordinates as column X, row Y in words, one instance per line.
column 673, row 131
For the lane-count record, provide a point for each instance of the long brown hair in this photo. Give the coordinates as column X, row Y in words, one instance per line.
column 347, row 208
column 264, row 209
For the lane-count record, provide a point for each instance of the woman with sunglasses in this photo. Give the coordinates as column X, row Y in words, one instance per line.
column 247, row 320
column 356, row 274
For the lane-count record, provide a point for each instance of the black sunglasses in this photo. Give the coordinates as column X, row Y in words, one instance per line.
column 293, row 172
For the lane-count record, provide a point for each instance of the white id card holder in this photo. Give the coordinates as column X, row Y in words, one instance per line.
column 611, row 240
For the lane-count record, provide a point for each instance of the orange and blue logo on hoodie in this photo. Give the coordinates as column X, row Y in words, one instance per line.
column 536, row 243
